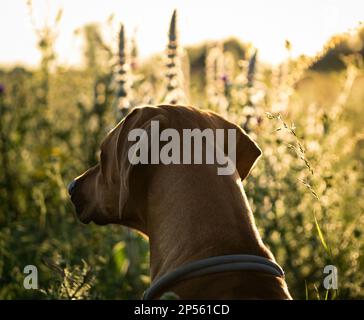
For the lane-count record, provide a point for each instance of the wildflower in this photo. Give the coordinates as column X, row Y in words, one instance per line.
column 225, row 79
column 123, row 96
column 252, row 69
column 174, row 74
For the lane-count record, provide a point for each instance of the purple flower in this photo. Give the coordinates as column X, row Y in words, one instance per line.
column 225, row 78
column 2, row 88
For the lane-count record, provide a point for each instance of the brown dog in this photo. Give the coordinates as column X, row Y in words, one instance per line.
column 187, row 211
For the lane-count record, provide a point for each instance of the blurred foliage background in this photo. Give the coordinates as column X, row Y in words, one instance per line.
column 306, row 192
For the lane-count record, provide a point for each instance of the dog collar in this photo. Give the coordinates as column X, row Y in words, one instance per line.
column 214, row 265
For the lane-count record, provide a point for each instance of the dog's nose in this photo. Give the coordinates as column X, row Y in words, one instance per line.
column 71, row 187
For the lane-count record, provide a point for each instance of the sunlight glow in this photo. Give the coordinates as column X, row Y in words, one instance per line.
column 307, row 24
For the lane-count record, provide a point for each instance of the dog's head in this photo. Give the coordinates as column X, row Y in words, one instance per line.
column 114, row 191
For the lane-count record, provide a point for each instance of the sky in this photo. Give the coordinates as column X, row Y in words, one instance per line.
column 267, row 24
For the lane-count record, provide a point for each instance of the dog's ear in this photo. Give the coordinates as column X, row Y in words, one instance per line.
column 247, row 151
column 139, row 118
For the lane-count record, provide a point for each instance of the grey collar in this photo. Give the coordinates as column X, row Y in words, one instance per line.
column 214, row 265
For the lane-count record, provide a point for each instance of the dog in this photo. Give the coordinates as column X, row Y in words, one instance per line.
column 187, row 211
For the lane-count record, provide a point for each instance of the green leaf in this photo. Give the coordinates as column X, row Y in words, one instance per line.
column 327, row 295
column 306, row 290
column 321, row 236
column 120, row 257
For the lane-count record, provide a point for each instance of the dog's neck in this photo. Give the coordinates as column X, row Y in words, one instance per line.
column 193, row 214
